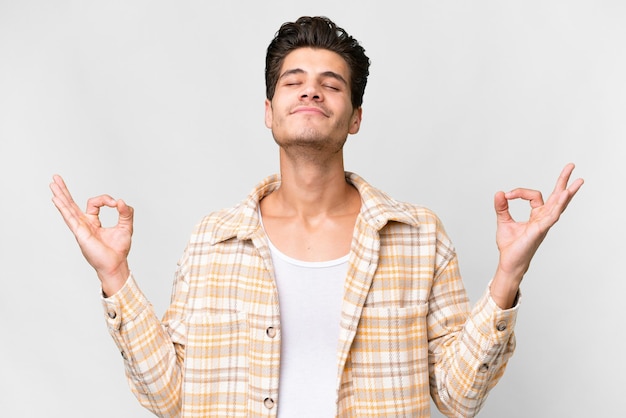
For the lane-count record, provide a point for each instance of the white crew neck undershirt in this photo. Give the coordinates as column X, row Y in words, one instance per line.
column 310, row 296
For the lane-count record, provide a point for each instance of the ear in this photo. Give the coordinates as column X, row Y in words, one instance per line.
column 268, row 114
column 355, row 122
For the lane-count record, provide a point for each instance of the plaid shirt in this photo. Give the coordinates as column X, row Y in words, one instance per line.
column 406, row 325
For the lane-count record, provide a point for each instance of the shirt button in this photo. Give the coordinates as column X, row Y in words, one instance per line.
column 112, row 314
column 271, row 332
column 269, row 403
column 123, row 355
column 483, row 368
column 501, row 326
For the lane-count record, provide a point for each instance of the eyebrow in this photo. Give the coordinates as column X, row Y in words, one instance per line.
column 324, row 74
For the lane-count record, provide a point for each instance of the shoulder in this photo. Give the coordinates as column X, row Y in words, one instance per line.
column 241, row 220
column 379, row 208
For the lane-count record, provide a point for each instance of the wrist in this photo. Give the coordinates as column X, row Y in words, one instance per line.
column 505, row 287
column 113, row 281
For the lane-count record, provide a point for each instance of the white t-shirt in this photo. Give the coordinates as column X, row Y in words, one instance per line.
column 310, row 295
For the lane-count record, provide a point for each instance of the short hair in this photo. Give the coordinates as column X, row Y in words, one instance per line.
column 317, row 32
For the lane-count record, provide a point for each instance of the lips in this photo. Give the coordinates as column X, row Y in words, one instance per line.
column 309, row 109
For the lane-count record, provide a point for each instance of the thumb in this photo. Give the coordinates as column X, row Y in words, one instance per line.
column 501, row 205
column 126, row 214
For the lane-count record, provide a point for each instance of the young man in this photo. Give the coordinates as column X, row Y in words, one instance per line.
column 373, row 313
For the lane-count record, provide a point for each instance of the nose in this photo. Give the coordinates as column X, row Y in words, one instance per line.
column 311, row 91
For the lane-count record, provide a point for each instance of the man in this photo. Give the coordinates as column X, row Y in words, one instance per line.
column 318, row 295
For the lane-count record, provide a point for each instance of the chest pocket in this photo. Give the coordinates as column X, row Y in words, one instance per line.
column 389, row 362
column 216, row 374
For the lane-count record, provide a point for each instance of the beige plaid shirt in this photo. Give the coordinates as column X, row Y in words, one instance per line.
column 406, row 325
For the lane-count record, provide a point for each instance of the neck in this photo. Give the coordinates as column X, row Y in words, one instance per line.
column 311, row 188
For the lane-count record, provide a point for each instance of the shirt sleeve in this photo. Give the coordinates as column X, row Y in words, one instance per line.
column 469, row 348
column 152, row 357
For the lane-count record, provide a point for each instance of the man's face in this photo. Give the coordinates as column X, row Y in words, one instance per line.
column 312, row 107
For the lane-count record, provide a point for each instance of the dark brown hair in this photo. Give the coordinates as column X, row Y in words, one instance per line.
column 317, row 32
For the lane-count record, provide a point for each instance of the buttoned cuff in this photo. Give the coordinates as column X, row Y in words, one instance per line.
column 493, row 321
column 125, row 305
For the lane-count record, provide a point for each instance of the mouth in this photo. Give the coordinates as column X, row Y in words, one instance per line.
column 309, row 110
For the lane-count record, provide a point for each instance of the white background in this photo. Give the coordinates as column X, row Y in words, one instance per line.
column 161, row 103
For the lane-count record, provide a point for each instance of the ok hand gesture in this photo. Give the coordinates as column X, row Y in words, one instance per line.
column 518, row 241
column 105, row 249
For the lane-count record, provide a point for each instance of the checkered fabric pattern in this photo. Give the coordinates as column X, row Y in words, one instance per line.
column 407, row 331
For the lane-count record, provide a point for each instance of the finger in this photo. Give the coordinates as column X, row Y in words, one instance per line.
column 74, row 219
column 501, row 205
column 63, row 199
column 60, row 189
column 559, row 201
column 567, row 195
column 554, row 208
column 575, row 186
column 533, row 196
column 561, row 186
column 67, row 214
column 561, row 182
column 64, row 203
column 95, row 203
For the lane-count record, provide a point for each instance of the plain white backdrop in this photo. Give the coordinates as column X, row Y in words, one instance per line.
column 161, row 103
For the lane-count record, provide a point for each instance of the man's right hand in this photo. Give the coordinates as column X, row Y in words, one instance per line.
column 105, row 249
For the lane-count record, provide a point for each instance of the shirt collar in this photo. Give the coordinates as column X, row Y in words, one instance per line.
column 377, row 210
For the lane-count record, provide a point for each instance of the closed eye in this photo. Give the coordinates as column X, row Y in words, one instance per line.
column 291, row 81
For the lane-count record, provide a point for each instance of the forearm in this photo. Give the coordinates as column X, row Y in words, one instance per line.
column 149, row 354
column 471, row 361
column 469, row 347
